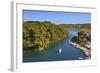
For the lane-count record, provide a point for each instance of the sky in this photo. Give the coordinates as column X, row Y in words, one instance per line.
column 57, row 17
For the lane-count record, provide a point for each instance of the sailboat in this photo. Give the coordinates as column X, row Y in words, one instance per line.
column 60, row 50
column 80, row 58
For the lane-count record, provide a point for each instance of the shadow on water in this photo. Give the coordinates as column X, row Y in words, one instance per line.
column 36, row 54
column 51, row 53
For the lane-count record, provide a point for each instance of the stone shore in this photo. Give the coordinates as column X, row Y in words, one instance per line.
column 85, row 50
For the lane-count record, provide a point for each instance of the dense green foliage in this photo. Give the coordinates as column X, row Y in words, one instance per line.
column 77, row 26
column 38, row 35
column 82, row 37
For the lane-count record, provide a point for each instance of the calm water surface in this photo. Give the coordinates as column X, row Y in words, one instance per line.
column 69, row 52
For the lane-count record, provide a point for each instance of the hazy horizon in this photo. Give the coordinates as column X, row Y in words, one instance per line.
column 57, row 17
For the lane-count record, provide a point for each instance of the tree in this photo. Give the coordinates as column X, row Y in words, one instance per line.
column 38, row 35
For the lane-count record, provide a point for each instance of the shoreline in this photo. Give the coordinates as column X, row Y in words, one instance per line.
column 85, row 50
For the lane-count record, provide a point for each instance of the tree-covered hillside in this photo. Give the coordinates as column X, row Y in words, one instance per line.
column 38, row 35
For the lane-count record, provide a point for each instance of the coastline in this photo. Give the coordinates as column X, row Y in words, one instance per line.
column 85, row 50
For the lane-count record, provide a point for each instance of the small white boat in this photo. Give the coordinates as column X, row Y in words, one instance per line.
column 80, row 58
column 60, row 50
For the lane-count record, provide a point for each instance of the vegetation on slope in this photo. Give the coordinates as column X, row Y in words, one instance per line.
column 38, row 35
column 83, row 38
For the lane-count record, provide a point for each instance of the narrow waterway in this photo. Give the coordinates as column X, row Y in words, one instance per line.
column 52, row 53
